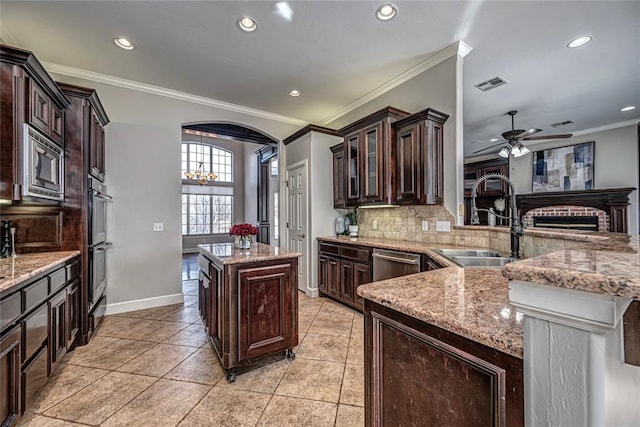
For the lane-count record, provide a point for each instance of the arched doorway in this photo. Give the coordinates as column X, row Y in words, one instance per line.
column 245, row 188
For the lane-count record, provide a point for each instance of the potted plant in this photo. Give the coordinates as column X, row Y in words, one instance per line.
column 243, row 235
column 353, row 222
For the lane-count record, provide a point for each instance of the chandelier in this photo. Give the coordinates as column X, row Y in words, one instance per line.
column 199, row 176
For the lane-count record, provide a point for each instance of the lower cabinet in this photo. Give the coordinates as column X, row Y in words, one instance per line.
column 419, row 374
column 341, row 269
column 10, row 380
column 41, row 326
column 249, row 309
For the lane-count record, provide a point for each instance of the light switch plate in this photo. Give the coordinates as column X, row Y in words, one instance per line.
column 443, row 226
column 375, row 225
column 158, row 226
column 425, row 225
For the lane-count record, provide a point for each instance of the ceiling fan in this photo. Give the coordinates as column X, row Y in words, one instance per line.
column 512, row 139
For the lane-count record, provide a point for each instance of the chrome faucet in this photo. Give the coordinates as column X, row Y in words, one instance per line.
column 516, row 226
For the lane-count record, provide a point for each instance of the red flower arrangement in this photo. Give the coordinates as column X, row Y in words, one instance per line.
column 243, row 230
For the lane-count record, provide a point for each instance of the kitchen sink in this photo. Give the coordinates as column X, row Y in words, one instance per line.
column 483, row 258
column 481, row 261
column 467, row 252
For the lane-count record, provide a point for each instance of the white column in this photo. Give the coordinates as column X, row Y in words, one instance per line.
column 574, row 371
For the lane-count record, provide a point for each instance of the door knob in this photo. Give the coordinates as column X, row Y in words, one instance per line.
column 301, row 235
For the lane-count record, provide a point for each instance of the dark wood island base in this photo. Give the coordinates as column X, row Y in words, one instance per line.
column 248, row 301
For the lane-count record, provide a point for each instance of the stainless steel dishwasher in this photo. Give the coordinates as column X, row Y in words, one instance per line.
column 388, row 264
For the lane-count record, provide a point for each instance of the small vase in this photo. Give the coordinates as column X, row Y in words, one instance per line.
column 243, row 242
column 353, row 231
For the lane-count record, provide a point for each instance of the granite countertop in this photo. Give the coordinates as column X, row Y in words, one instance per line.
column 227, row 253
column 470, row 302
column 14, row 271
column 597, row 268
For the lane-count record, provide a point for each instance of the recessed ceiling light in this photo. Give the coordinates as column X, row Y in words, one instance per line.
column 629, row 108
column 123, row 43
column 493, row 139
column 386, row 11
column 580, row 41
column 295, row 92
column 247, row 23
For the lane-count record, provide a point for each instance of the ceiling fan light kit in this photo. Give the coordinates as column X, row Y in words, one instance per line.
column 512, row 143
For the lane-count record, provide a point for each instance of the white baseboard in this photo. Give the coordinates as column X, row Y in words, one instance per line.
column 141, row 304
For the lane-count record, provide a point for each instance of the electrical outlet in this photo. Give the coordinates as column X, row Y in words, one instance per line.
column 375, row 225
column 443, row 226
column 425, row 225
column 158, row 226
column 461, row 209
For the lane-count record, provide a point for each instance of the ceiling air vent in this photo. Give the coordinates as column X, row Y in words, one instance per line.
column 491, row 83
column 560, row 124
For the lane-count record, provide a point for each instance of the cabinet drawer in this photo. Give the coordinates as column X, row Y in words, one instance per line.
column 9, row 310
column 72, row 271
column 36, row 293
column 359, row 254
column 35, row 329
column 328, row 248
column 34, row 377
column 57, row 279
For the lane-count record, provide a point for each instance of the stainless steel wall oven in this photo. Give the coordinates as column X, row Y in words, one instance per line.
column 98, row 244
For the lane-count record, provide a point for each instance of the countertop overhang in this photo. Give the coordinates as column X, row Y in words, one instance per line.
column 227, row 253
column 14, row 271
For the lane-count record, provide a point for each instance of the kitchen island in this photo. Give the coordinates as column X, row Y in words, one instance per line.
column 449, row 347
column 248, row 301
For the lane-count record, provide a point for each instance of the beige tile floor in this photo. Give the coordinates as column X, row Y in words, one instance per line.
column 155, row 368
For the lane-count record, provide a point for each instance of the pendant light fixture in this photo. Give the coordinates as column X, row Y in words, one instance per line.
column 200, row 176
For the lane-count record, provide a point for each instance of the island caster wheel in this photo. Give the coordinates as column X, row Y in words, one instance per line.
column 231, row 376
column 290, row 355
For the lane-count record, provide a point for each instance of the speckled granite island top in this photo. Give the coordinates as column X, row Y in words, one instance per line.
column 14, row 271
column 471, row 302
column 227, row 253
column 598, row 270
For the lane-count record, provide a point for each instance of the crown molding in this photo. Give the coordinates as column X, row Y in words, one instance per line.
column 8, row 37
column 457, row 48
column 167, row 93
column 611, row 126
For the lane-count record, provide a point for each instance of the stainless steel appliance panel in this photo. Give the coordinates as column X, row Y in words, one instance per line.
column 43, row 174
column 388, row 264
column 98, row 271
column 98, row 199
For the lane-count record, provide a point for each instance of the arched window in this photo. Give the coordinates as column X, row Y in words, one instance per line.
column 207, row 209
column 215, row 159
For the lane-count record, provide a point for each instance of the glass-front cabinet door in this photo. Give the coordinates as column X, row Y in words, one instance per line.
column 352, row 155
column 372, row 153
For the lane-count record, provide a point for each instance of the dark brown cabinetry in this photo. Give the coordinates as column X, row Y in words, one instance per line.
column 27, row 95
column 96, row 147
column 84, row 135
column 38, row 327
column 10, row 383
column 369, row 166
column 419, row 158
column 489, row 190
column 249, row 310
column 339, row 197
column 419, row 374
column 341, row 269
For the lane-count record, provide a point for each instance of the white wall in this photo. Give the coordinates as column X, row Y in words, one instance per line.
column 615, row 164
column 142, row 172
column 435, row 88
column 314, row 146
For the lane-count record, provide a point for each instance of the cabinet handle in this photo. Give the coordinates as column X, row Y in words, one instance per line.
column 301, row 235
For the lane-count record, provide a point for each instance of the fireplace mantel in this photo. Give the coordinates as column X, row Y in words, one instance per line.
column 614, row 201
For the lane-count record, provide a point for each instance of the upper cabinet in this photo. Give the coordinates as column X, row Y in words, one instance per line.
column 489, row 187
column 339, row 199
column 96, row 147
column 369, row 165
column 419, row 158
column 31, row 129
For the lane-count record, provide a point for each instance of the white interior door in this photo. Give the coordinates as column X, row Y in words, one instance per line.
column 297, row 224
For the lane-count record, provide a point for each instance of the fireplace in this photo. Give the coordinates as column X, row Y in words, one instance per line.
column 588, row 223
column 609, row 205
